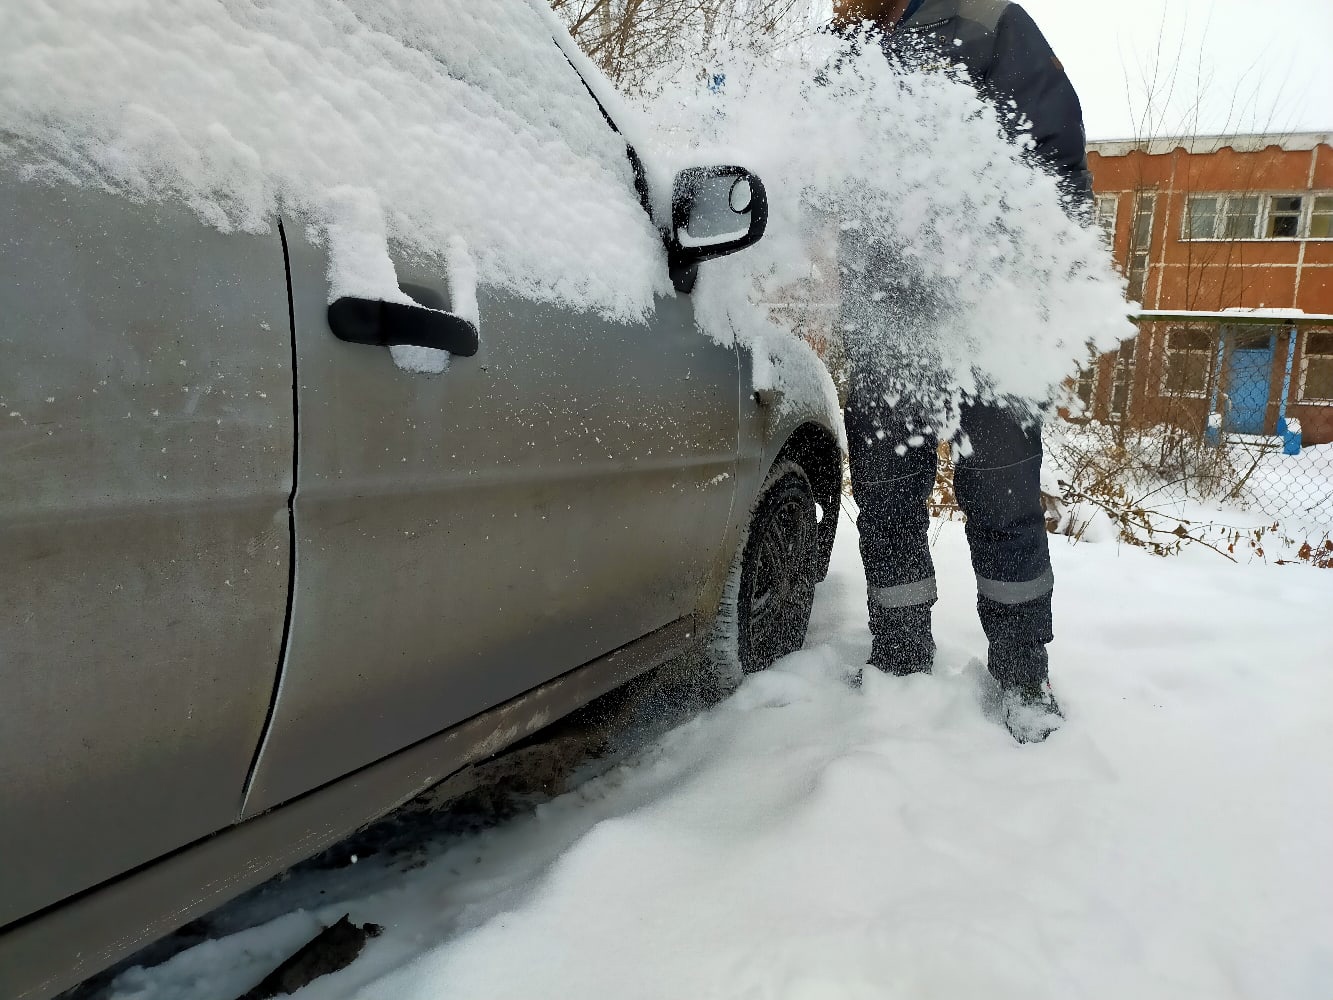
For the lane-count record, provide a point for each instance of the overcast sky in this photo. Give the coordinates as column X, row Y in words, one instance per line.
column 1275, row 57
column 1248, row 65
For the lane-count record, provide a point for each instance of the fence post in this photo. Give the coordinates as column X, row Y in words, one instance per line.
column 1213, row 432
column 1290, row 432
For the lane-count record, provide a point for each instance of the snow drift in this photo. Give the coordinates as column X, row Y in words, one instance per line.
column 807, row 842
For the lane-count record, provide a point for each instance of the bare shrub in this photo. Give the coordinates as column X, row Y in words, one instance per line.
column 631, row 40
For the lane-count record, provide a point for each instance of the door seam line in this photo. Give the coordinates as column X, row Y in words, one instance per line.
column 291, row 535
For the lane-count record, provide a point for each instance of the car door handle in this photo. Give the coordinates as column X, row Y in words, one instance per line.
column 421, row 323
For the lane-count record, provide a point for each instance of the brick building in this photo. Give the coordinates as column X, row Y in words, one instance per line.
column 1207, row 224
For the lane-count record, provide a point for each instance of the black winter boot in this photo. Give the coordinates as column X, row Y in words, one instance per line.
column 1018, row 635
column 1030, row 711
column 903, row 643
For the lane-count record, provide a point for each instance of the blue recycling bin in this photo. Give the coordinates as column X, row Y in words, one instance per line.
column 1290, row 432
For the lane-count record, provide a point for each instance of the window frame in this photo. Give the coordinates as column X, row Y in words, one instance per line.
column 1315, row 198
column 1164, row 388
column 1123, row 372
column 1188, row 219
column 1087, row 374
column 1272, row 214
column 1301, row 397
column 1138, row 259
column 1101, row 218
column 1227, row 215
column 1263, row 218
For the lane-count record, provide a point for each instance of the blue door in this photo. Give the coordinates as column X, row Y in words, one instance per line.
column 1248, row 379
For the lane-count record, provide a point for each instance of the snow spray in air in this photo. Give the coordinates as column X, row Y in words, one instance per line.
column 962, row 275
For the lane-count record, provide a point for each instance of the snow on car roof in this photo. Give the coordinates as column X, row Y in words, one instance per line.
column 420, row 123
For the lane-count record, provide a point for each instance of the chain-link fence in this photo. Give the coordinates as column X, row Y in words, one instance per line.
column 1237, row 411
column 1211, row 427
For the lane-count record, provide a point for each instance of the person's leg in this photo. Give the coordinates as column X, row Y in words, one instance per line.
column 998, row 488
column 891, row 482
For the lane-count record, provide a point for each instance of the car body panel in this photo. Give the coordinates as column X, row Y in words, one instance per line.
column 476, row 552
column 781, row 423
column 39, row 958
column 468, row 535
column 145, row 466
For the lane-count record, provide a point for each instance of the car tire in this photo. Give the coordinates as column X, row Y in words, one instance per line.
column 769, row 595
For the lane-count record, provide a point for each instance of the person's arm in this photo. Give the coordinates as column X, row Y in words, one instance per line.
column 1026, row 71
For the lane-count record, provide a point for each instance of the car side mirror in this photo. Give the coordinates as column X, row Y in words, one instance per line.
column 715, row 211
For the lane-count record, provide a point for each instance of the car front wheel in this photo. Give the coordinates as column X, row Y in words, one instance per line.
column 777, row 571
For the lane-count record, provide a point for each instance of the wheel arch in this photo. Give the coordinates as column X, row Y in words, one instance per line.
column 819, row 455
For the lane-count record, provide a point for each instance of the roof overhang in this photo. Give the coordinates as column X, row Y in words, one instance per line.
column 1252, row 143
column 1258, row 317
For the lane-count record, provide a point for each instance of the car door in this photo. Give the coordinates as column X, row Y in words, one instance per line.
column 146, row 435
column 464, row 536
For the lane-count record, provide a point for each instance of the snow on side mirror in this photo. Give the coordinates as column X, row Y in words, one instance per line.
column 715, row 211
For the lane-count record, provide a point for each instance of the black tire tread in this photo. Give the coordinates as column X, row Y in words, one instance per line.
column 786, row 482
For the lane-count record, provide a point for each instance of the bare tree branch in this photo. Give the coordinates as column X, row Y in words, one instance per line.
column 634, row 39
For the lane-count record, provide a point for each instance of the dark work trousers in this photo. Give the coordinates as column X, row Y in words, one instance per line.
column 997, row 486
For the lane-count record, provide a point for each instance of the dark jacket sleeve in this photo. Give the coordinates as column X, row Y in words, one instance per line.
column 1025, row 70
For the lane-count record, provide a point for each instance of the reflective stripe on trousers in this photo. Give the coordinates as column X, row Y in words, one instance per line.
column 906, row 595
column 1005, row 592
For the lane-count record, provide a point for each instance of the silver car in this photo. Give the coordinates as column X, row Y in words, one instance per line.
column 262, row 585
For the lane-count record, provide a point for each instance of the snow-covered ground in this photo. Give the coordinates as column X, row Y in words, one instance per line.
column 1252, row 500
column 804, row 840
column 1294, row 487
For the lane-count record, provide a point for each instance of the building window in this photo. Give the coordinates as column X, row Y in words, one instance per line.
column 1240, row 219
column 1104, row 213
column 1317, row 367
column 1321, row 218
column 1122, row 380
column 1221, row 217
column 1085, row 387
column 1284, row 217
column 1140, row 244
column 1189, row 362
column 1249, row 217
column 1201, row 218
